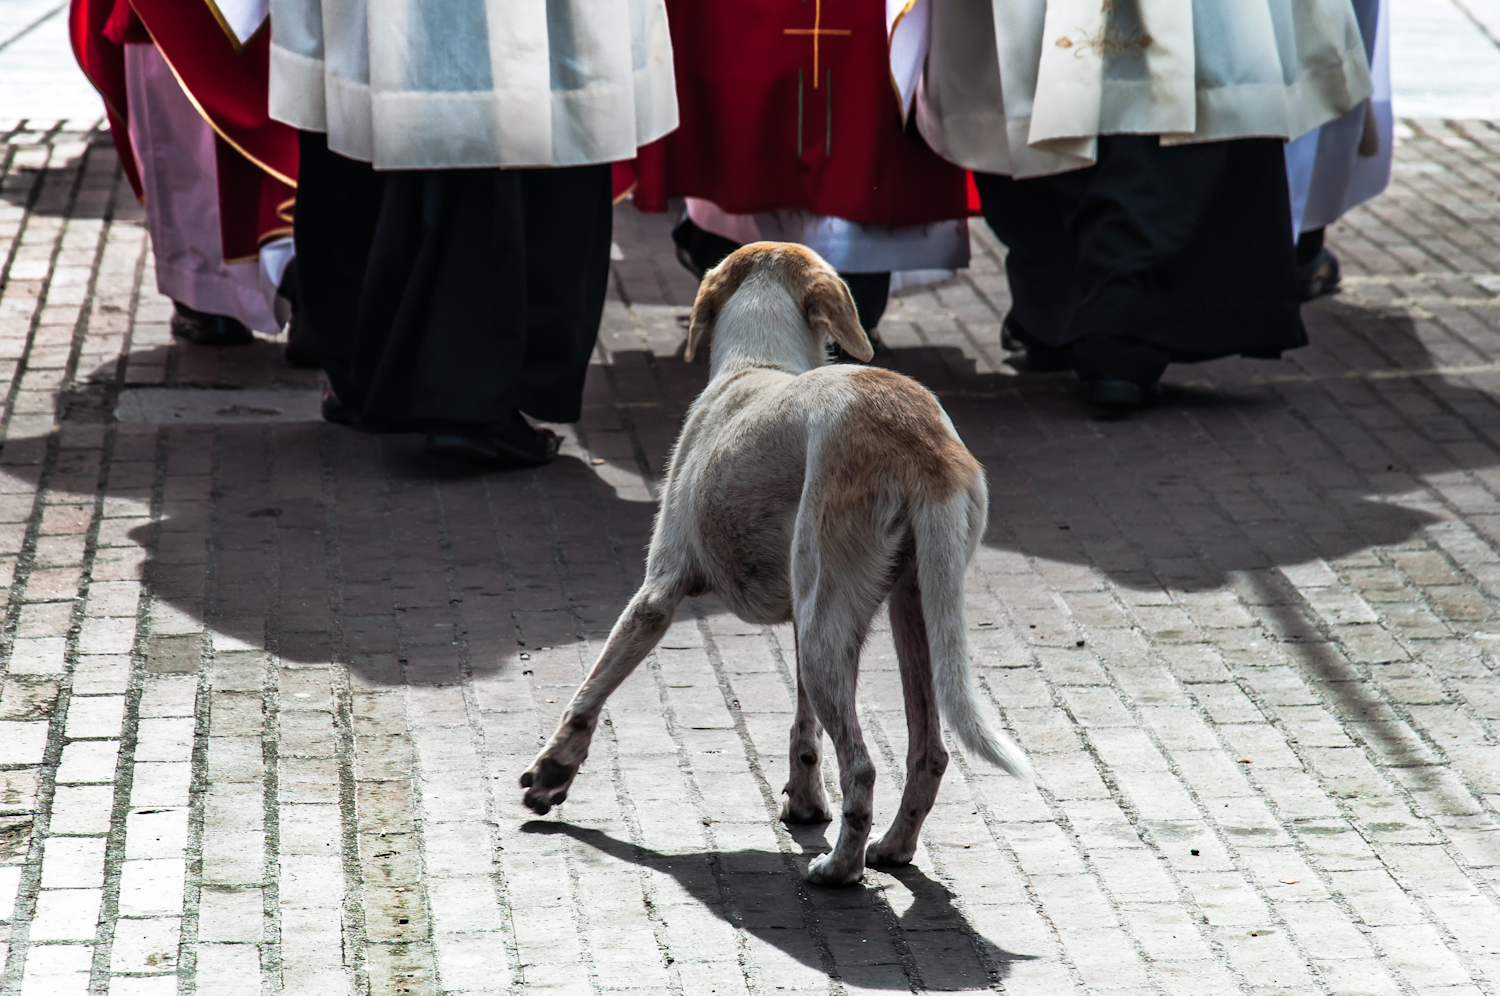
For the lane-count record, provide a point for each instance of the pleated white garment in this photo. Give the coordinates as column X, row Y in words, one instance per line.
column 1025, row 87
column 419, row 84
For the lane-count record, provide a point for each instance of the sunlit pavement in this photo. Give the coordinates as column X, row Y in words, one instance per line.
column 268, row 683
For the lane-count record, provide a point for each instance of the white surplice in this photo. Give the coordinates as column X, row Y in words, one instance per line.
column 413, row 84
column 1025, row 87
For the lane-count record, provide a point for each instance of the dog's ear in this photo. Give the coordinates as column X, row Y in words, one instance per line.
column 830, row 310
column 714, row 291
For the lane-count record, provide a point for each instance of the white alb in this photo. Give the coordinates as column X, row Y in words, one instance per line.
column 407, row 84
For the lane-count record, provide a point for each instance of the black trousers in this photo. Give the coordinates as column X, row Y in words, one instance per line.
column 441, row 296
column 1155, row 254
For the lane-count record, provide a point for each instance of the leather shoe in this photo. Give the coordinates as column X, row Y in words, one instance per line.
column 1121, row 395
column 1319, row 276
column 208, row 330
column 513, row 444
column 335, row 411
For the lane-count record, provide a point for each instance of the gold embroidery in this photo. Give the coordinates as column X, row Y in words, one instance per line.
column 817, row 31
column 1109, row 41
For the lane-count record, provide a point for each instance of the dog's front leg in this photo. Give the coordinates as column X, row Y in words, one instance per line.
column 637, row 630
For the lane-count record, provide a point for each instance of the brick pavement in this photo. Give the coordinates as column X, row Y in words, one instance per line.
column 267, row 687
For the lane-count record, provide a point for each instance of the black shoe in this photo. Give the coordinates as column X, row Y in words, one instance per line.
column 300, row 351
column 514, row 444
column 208, row 330
column 1039, row 358
column 1114, row 395
column 338, row 413
column 1319, row 276
column 1045, row 359
column 1121, row 395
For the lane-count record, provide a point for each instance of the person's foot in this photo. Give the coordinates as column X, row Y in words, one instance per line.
column 1044, row 359
column 208, row 330
column 335, row 411
column 1120, row 396
column 1039, row 358
column 1319, row 276
column 300, row 351
column 513, row 444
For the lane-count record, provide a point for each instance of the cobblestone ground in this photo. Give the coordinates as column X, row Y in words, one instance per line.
column 267, row 686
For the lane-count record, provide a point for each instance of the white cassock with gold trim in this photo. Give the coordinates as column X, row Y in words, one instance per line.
column 1025, row 87
column 417, row 84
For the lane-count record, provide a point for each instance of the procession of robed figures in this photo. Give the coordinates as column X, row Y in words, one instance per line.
column 420, row 194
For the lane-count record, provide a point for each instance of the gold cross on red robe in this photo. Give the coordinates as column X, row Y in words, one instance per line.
column 817, row 31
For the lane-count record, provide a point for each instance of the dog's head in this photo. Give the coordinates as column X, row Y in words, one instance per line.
column 827, row 307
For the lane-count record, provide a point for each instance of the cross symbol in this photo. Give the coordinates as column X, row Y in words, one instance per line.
column 817, row 31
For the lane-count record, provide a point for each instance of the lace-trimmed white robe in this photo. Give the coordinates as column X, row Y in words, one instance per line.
column 418, row 84
column 1025, row 87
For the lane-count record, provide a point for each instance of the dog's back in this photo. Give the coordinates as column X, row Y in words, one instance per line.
column 858, row 448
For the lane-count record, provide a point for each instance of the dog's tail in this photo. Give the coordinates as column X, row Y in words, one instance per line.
column 946, row 535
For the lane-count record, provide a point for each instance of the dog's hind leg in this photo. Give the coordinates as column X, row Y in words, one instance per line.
column 806, row 798
column 637, row 630
column 828, row 644
column 926, row 758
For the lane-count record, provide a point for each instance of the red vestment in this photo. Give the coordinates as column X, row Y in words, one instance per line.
column 226, row 82
column 790, row 104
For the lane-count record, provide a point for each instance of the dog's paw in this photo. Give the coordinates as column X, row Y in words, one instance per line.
column 546, row 783
column 806, row 802
column 888, row 855
column 826, row 871
column 805, row 813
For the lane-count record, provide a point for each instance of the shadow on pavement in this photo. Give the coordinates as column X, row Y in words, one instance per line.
column 333, row 545
column 52, row 191
column 770, row 900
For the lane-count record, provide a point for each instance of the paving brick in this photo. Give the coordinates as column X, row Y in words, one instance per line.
column 1269, row 767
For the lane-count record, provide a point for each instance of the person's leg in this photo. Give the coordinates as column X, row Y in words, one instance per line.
column 569, row 223
column 1040, row 264
column 178, row 155
column 518, row 282
column 1184, row 254
column 339, row 202
column 1317, row 268
column 443, row 315
column 871, row 292
column 1137, row 213
column 698, row 250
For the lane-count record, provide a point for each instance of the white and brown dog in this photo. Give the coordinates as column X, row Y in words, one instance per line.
column 812, row 493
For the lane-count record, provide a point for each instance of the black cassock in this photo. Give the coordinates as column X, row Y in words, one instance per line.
column 1155, row 254
column 449, row 296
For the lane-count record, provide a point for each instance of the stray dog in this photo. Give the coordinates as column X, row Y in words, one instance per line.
column 812, row 493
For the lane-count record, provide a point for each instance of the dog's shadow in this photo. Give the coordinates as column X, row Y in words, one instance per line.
column 908, row 935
